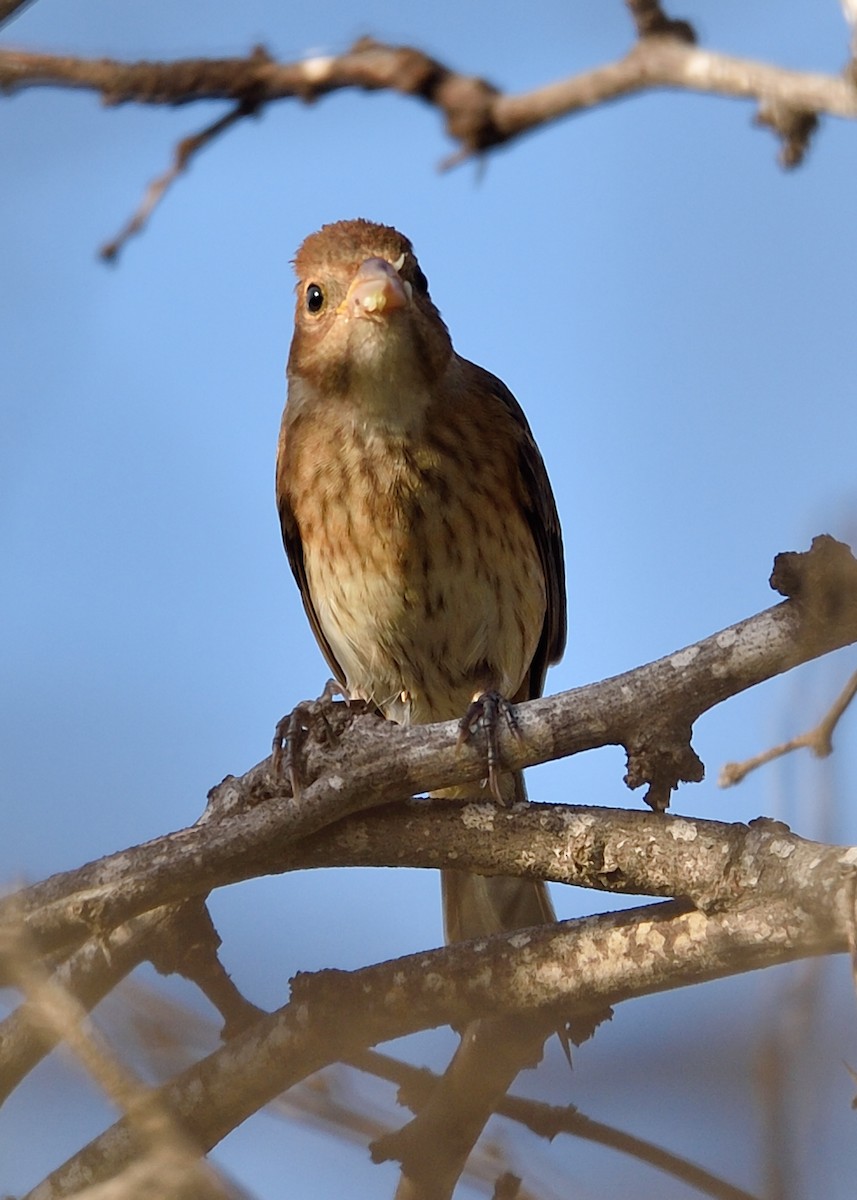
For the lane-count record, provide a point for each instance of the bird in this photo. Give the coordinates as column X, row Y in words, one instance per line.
column 418, row 519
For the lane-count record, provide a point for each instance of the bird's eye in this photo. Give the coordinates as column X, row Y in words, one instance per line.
column 314, row 298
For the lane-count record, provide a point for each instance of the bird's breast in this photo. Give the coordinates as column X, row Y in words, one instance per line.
column 421, row 565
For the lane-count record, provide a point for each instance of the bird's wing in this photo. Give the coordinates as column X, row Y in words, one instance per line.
column 295, row 554
column 543, row 519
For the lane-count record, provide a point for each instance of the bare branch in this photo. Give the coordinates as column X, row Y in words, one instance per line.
column 650, row 711
column 168, row 1033
column 573, row 966
column 250, row 826
column 433, row 1148
column 478, row 115
column 634, row 853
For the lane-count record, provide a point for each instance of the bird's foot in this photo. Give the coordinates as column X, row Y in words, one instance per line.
column 310, row 716
column 485, row 712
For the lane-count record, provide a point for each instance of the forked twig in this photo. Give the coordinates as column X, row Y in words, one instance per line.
column 819, row 740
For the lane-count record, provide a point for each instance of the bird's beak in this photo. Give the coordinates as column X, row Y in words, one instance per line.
column 375, row 289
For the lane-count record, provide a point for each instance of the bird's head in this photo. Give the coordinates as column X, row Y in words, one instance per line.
column 364, row 321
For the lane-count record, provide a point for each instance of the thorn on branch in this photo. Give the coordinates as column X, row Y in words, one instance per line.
column 794, row 126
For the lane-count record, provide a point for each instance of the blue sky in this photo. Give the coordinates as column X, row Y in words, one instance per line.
column 676, row 315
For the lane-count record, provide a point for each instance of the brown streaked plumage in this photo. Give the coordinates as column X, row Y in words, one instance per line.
column 417, row 515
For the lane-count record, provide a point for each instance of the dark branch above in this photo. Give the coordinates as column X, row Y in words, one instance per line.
column 478, row 115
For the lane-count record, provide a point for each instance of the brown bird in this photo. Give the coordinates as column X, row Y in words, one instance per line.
column 417, row 517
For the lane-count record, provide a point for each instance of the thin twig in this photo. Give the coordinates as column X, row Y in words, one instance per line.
column 88, row 975
column 184, row 152
column 171, row 1163
column 10, row 8
column 819, row 740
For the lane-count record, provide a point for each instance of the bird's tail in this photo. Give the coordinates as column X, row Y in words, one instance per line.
column 493, row 1049
column 476, row 906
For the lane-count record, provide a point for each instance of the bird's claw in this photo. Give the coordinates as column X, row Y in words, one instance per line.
column 292, row 729
column 485, row 712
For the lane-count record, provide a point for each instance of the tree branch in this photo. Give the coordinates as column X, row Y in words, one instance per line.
column 731, row 873
column 712, row 864
column 571, row 967
column 333, row 1102
column 88, row 974
column 650, row 711
column 478, row 115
